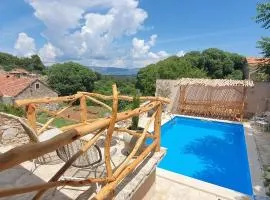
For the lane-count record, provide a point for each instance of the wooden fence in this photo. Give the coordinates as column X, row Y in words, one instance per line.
column 219, row 102
column 95, row 127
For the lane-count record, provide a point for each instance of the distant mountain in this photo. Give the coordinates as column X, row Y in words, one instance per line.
column 115, row 70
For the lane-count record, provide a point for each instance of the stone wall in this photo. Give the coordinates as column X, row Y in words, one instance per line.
column 167, row 88
column 6, row 99
column 11, row 132
column 258, row 98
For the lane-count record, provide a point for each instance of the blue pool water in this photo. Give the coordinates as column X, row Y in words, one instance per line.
column 214, row 152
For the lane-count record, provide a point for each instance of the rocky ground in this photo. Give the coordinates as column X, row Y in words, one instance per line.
column 11, row 132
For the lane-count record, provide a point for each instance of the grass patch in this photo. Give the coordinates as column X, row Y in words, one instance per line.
column 10, row 109
column 58, row 122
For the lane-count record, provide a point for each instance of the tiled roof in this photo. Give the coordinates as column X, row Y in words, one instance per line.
column 252, row 61
column 12, row 86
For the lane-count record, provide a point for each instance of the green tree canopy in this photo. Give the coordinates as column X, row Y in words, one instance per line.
column 70, row 77
column 263, row 18
column 125, row 84
column 32, row 64
column 211, row 63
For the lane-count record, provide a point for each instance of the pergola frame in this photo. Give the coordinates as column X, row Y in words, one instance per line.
column 74, row 132
column 217, row 98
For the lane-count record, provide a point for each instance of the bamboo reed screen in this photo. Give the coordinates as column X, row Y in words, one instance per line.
column 224, row 99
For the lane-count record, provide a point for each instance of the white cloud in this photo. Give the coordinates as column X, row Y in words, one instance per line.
column 139, row 48
column 86, row 29
column 152, row 40
column 25, row 45
column 48, row 53
column 90, row 32
column 180, row 53
column 141, row 53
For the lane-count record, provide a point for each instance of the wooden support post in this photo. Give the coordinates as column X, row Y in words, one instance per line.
column 83, row 110
column 138, row 144
column 107, row 189
column 31, row 116
column 157, row 125
column 110, row 132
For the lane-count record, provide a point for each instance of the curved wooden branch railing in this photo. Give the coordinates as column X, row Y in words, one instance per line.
column 110, row 133
column 74, row 132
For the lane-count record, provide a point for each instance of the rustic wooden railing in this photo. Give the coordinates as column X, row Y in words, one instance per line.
column 86, row 126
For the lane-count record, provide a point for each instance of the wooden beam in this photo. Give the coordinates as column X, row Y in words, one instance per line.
column 107, row 189
column 98, row 102
column 134, row 133
column 26, row 152
column 54, row 114
column 45, row 186
column 30, row 151
column 157, row 125
column 127, row 98
column 135, row 149
column 45, row 126
column 83, row 109
column 110, row 130
column 64, row 168
column 31, row 116
column 47, row 100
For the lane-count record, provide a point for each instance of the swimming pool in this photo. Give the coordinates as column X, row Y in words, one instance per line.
column 214, row 152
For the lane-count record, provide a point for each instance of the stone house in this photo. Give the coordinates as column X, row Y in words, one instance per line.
column 255, row 64
column 13, row 88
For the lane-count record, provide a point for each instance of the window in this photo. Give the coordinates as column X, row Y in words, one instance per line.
column 37, row 86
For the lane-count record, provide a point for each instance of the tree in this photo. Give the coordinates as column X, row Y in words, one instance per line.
column 263, row 14
column 211, row 63
column 263, row 18
column 69, row 78
column 32, row 64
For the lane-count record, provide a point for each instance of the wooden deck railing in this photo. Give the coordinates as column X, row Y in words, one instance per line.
column 86, row 126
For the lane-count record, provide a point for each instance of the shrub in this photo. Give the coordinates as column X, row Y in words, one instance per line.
column 135, row 119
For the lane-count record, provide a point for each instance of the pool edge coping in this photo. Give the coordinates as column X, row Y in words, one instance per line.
column 203, row 186
column 255, row 168
column 255, row 165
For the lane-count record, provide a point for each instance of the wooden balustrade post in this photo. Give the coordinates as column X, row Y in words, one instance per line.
column 110, row 130
column 83, row 108
column 157, row 124
column 31, row 116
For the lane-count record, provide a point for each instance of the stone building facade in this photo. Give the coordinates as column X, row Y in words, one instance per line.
column 13, row 88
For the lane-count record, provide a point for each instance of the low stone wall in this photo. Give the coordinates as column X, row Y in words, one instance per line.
column 11, row 132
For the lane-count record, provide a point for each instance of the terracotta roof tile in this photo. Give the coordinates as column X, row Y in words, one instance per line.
column 252, row 61
column 11, row 85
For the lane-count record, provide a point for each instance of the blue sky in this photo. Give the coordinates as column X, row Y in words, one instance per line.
column 126, row 33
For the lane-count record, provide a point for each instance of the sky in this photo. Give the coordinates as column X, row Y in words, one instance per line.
column 126, row 33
